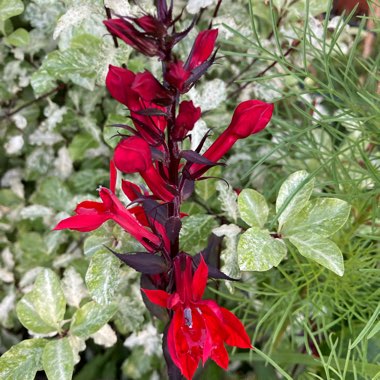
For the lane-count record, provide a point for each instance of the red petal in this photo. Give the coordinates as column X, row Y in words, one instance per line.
column 203, row 46
column 200, row 280
column 220, row 356
column 131, row 190
column 113, row 176
column 83, row 222
column 159, row 297
column 119, row 82
column 174, row 332
column 90, row 208
column 237, row 336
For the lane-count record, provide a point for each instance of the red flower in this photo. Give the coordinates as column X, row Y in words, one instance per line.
column 139, row 92
column 188, row 115
column 249, row 117
column 177, row 75
column 140, row 41
column 199, row 328
column 91, row 215
column 133, row 155
column 203, row 46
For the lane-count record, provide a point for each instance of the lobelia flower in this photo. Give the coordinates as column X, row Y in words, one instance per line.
column 250, row 117
column 139, row 92
column 91, row 215
column 188, row 115
column 179, row 73
column 132, row 155
column 199, row 328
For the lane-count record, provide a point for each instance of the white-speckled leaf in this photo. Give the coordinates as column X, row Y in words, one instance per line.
column 10, row 8
column 73, row 287
column 90, row 318
column 323, row 216
column 259, row 251
column 30, row 318
column 23, row 360
column 293, row 196
column 58, row 360
column 105, row 336
column 102, row 277
column 253, row 208
column 95, row 243
column 228, row 198
column 319, row 249
column 48, row 298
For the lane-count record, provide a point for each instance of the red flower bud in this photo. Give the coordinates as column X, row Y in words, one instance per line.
column 188, row 115
column 249, row 117
column 203, row 46
column 177, row 75
column 119, row 82
column 151, row 25
column 133, row 155
column 148, row 87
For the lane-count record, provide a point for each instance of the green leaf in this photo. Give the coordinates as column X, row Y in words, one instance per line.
column 319, row 249
column 95, row 243
column 259, row 251
column 42, row 82
column 58, row 360
column 30, row 318
column 206, row 189
column 20, row 37
column 48, row 298
column 90, row 318
column 293, row 196
column 253, row 208
column 102, row 277
column 80, row 145
column 23, row 360
column 10, row 8
column 322, row 216
column 195, row 232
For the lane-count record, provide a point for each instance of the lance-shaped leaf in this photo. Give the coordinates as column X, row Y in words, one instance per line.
column 259, row 251
column 319, row 249
column 143, row 262
column 194, row 157
column 172, row 227
column 58, row 360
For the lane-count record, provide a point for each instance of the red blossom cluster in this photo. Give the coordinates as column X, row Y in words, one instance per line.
column 173, row 280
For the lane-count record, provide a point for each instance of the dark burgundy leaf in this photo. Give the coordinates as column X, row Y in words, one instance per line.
column 204, row 138
column 172, row 227
column 177, row 37
column 155, row 210
column 187, row 188
column 157, row 155
column 152, row 112
column 195, row 157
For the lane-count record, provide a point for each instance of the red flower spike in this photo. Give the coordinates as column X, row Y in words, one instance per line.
column 91, row 215
column 199, row 328
column 188, row 115
column 203, row 47
column 133, row 155
column 250, row 117
column 131, row 36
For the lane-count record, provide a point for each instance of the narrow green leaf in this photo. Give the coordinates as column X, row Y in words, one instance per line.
column 23, row 360
column 30, row 318
column 253, row 208
column 20, row 37
column 195, row 232
column 319, row 249
column 48, row 298
column 258, row 251
column 10, row 8
column 58, row 360
column 102, row 277
column 293, row 196
column 90, row 318
column 322, row 216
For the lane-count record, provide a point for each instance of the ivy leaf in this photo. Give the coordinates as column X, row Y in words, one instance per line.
column 20, row 37
column 206, row 189
column 30, row 318
column 102, row 277
column 10, row 9
column 253, row 208
column 48, row 298
column 195, row 232
column 259, row 251
column 320, row 250
column 90, row 318
column 58, row 360
column 293, row 196
column 81, row 143
column 323, row 216
column 95, row 243
column 23, row 360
